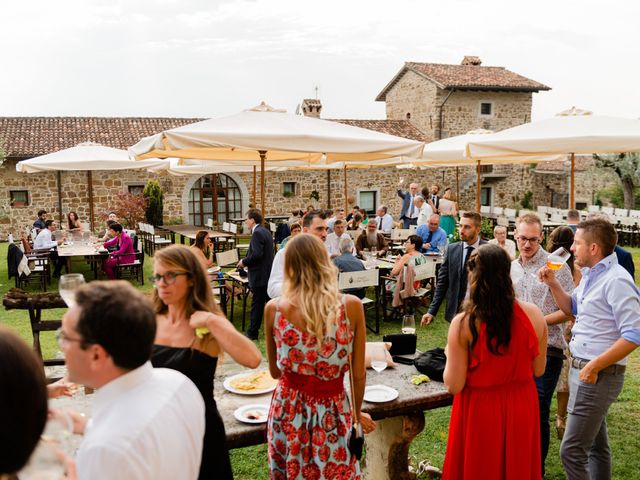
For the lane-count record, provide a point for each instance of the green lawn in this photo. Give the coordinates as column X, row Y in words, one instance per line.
column 250, row 463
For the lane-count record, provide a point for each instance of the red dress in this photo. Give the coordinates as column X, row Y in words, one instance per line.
column 494, row 432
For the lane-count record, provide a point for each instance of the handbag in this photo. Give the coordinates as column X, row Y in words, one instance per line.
column 402, row 343
column 356, row 436
column 431, row 363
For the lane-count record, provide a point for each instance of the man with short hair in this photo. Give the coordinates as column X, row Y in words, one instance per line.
column 371, row 238
column 355, row 209
column 258, row 262
column 573, row 219
column 39, row 224
column 432, row 196
column 500, row 239
column 333, row 239
column 346, row 262
column 339, row 215
column 45, row 241
column 607, row 330
column 524, row 275
column 409, row 212
column 313, row 223
column 383, row 220
column 424, row 210
column 452, row 277
column 625, row 259
column 146, row 422
column 113, row 218
column 433, row 236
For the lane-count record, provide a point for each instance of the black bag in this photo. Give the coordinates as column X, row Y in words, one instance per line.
column 242, row 272
column 432, row 363
column 356, row 441
column 402, row 343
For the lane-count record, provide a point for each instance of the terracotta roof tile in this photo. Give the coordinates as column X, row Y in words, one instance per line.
column 399, row 128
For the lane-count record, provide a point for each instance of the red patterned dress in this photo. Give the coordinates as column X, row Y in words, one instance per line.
column 310, row 417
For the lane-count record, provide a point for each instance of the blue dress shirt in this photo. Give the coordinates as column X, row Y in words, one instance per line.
column 439, row 237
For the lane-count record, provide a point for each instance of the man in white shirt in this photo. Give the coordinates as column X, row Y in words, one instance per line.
column 333, row 239
column 339, row 215
column 147, row 422
column 384, row 220
column 313, row 223
column 45, row 241
column 424, row 210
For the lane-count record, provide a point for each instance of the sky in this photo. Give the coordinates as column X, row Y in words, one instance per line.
column 210, row 58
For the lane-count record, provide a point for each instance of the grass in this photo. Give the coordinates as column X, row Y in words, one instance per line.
column 250, row 463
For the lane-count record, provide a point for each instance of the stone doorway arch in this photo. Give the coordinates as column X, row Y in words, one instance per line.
column 219, row 196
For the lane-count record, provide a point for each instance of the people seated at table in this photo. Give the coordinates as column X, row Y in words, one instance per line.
column 23, row 402
column 296, row 217
column 45, row 241
column 183, row 303
column 495, row 347
column 113, row 218
column 412, row 256
column 355, row 223
column 424, row 210
column 433, row 236
column 383, row 220
column 123, row 254
column 448, row 210
column 39, row 223
column 295, row 229
column 339, row 215
column 333, row 239
column 365, row 217
column 347, row 262
column 355, row 209
column 500, row 239
column 203, row 249
column 310, row 332
column 73, row 223
column 146, row 422
column 409, row 212
column 370, row 239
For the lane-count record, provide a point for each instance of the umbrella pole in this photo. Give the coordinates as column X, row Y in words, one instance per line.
column 458, row 185
column 346, row 202
column 253, row 193
column 478, row 187
column 328, row 188
column 572, row 198
column 90, row 183
column 263, row 155
column 60, row 196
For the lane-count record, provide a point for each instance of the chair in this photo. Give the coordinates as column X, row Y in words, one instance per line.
column 485, row 209
column 132, row 270
column 621, row 212
column 38, row 265
column 510, row 212
column 497, row 210
column 607, row 210
column 363, row 279
column 156, row 241
column 210, row 223
column 502, row 221
column 422, row 273
column 593, row 208
column 400, row 234
column 227, row 258
column 240, row 246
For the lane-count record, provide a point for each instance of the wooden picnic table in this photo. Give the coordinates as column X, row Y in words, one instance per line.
column 92, row 253
column 190, row 232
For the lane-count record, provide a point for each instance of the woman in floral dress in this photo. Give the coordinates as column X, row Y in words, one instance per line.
column 310, row 332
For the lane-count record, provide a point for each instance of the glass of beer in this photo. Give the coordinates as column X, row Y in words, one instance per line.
column 558, row 258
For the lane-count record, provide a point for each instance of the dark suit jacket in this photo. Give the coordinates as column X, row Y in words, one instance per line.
column 626, row 261
column 259, row 257
column 406, row 203
column 448, row 284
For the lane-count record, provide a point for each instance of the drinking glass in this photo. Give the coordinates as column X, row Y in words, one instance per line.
column 408, row 324
column 558, row 258
column 378, row 358
column 442, row 248
column 374, row 252
column 68, row 285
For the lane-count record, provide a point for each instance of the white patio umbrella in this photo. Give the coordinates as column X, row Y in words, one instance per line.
column 570, row 132
column 272, row 136
column 86, row 156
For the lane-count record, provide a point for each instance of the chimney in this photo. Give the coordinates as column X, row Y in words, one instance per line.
column 311, row 107
column 469, row 60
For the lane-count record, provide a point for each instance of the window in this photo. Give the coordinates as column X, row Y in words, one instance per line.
column 485, row 196
column 19, row 198
column 214, row 196
column 135, row 189
column 486, row 168
column 288, row 189
column 486, row 109
column 581, row 205
column 368, row 199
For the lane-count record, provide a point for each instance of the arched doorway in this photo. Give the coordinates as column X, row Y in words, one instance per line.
column 215, row 196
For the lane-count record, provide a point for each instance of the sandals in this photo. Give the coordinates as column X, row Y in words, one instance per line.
column 561, row 425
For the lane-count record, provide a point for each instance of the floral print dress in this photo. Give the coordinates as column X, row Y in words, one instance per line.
column 308, row 427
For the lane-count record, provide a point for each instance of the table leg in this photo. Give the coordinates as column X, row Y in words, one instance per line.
column 387, row 448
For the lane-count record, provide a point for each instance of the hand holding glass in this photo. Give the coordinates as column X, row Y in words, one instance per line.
column 558, row 258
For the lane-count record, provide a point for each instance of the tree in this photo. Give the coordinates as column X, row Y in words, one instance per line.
column 153, row 194
column 130, row 209
column 627, row 168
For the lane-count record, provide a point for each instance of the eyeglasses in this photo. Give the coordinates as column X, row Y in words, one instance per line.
column 63, row 339
column 525, row 240
column 169, row 278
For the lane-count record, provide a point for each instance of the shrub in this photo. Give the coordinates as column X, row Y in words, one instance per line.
column 129, row 208
column 153, row 193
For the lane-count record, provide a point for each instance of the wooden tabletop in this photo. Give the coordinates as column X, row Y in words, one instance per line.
column 190, row 231
column 77, row 249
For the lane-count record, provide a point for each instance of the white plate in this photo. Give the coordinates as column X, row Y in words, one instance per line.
column 228, row 380
column 380, row 393
column 213, row 270
column 242, row 414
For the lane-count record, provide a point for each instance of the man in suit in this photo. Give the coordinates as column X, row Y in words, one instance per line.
column 258, row 261
column 431, row 195
column 409, row 212
column 384, row 220
column 452, row 278
column 371, row 238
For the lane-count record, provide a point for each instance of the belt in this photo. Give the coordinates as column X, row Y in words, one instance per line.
column 312, row 385
column 614, row 369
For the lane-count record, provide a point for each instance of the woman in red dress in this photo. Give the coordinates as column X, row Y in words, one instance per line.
column 495, row 347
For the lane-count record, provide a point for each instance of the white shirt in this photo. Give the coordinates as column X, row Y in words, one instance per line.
column 387, row 223
column 333, row 243
column 509, row 246
column 43, row 240
column 276, row 279
column 147, row 424
column 424, row 213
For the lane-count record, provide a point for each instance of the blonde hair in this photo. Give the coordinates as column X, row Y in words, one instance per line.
column 312, row 279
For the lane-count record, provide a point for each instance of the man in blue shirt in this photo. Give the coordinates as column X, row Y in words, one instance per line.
column 432, row 235
column 607, row 329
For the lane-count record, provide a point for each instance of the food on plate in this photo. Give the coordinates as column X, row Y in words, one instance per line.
column 255, row 415
column 254, row 381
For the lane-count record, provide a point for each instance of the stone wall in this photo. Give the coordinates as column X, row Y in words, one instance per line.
column 414, row 95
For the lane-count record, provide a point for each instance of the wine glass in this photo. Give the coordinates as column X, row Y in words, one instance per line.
column 408, row 324
column 374, row 252
column 68, row 285
column 558, row 258
column 378, row 358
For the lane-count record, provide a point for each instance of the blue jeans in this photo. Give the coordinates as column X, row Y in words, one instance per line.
column 585, row 451
column 546, row 385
